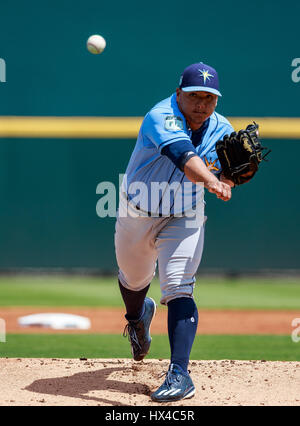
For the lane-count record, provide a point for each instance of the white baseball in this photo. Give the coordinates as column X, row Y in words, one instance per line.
column 96, row 44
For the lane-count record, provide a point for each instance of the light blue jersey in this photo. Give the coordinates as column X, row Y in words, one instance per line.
column 149, row 170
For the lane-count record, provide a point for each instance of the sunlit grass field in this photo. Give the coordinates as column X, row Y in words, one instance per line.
column 210, row 293
column 273, row 348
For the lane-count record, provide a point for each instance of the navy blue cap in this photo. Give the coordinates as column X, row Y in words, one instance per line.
column 200, row 77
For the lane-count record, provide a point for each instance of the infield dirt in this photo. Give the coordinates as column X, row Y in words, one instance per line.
column 122, row 382
column 111, row 320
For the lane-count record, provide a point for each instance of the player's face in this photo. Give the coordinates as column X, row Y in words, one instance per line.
column 196, row 106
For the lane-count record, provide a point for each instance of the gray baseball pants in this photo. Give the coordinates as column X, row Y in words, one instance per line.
column 143, row 242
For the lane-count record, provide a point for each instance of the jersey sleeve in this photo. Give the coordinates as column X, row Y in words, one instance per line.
column 163, row 128
column 179, row 153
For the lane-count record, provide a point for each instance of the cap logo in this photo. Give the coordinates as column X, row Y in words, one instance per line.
column 205, row 74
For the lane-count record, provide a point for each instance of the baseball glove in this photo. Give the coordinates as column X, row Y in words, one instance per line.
column 240, row 154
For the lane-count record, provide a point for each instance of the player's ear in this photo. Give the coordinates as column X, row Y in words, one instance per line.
column 178, row 92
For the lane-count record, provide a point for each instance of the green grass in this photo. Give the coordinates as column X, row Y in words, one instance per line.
column 242, row 347
column 210, row 293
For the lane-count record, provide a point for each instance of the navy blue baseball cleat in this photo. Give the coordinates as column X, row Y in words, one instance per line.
column 177, row 385
column 138, row 331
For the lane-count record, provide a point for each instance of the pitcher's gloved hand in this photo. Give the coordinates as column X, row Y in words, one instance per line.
column 240, row 154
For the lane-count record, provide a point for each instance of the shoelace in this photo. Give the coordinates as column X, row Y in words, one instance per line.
column 169, row 375
column 129, row 331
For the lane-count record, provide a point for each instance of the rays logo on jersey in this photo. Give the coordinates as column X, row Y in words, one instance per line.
column 211, row 165
column 173, row 123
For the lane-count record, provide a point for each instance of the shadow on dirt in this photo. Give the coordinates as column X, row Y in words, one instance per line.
column 81, row 384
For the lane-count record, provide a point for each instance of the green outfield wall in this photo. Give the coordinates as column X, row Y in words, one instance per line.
column 48, row 186
column 48, row 216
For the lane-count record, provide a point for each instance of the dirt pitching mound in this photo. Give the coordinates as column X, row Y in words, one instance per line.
column 117, row 382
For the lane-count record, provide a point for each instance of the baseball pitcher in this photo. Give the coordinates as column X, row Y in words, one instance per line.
column 183, row 146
